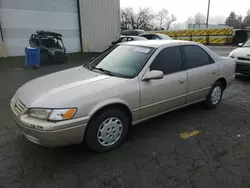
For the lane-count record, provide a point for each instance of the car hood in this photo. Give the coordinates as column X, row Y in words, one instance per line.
column 45, row 91
column 242, row 52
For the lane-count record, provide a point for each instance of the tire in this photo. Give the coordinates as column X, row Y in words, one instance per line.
column 36, row 66
column 102, row 126
column 209, row 103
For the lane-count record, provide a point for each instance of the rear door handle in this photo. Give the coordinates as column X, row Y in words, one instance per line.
column 214, row 72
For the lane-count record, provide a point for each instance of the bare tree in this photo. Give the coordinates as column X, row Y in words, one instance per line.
column 190, row 22
column 140, row 20
column 125, row 19
column 199, row 19
column 144, row 19
column 164, row 20
column 169, row 21
column 162, row 16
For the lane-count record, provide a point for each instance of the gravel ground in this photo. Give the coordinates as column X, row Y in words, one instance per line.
column 154, row 155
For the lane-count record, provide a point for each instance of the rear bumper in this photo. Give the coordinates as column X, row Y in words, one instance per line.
column 50, row 134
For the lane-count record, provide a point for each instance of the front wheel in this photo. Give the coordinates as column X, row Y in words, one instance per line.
column 107, row 130
column 215, row 95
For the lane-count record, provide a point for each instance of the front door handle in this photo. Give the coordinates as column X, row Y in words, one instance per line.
column 181, row 81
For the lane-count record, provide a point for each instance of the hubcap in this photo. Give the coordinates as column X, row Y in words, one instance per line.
column 109, row 131
column 216, row 95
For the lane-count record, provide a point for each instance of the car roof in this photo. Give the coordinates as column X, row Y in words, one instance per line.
column 159, row 43
column 135, row 37
column 131, row 36
column 152, row 34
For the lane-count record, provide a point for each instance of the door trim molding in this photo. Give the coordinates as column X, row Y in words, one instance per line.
column 163, row 101
column 193, row 92
column 164, row 112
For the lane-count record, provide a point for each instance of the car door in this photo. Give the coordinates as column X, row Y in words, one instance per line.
column 159, row 96
column 202, row 72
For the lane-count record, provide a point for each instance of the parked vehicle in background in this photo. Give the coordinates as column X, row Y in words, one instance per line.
column 129, row 83
column 241, row 57
column 51, row 46
column 156, row 36
column 240, row 36
column 127, row 39
column 134, row 32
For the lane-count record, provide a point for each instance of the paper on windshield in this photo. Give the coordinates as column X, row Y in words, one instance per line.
column 141, row 49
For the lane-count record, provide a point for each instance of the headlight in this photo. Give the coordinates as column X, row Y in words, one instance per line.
column 232, row 55
column 39, row 113
column 52, row 114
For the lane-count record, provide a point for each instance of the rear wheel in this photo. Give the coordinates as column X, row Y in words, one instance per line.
column 215, row 95
column 107, row 130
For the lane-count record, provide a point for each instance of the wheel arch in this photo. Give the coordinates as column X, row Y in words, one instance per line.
column 114, row 104
column 223, row 81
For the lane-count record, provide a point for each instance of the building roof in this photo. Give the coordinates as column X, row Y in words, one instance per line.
column 158, row 43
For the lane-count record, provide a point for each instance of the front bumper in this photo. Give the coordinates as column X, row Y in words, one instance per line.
column 242, row 67
column 50, row 134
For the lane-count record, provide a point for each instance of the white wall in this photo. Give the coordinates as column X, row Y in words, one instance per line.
column 1, row 46
column 100, row 21
column 21, row 18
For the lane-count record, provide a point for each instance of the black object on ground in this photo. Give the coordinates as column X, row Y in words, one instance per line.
column 52, row 49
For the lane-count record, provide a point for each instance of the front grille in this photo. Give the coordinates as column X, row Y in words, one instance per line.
column 58, row 53
column 18, row 105
column 243, row 59
column 245, row 69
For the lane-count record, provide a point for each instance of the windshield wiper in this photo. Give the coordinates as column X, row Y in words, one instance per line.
column 102, row 70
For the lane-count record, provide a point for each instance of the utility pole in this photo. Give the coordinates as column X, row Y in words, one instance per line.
column 208, row 8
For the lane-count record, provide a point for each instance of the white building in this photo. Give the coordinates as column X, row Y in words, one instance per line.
column 86, row 25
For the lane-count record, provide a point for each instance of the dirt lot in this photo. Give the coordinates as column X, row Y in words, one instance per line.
column 153, row 156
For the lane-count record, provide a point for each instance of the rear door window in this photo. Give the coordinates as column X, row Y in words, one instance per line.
column 195, row 56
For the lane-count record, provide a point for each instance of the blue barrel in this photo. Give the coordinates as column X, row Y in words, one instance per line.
column 32, row 56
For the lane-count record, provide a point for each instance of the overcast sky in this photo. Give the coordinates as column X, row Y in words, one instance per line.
column 184, row 8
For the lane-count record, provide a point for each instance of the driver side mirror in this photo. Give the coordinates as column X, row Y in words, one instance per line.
column 153, row 75
column 240, row 44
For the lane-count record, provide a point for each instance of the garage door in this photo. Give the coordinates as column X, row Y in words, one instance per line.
column 21, row 18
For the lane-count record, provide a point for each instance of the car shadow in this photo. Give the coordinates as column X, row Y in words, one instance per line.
column 139, row 132
column 242, row 77
column 162, row 131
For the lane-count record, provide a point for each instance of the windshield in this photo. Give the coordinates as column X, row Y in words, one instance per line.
column 122, row 60
column 165, row 37
column 140, row 38
column 247, row 44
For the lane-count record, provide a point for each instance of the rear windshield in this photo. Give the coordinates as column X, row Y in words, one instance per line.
column 165, row 37
column 132, row 32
